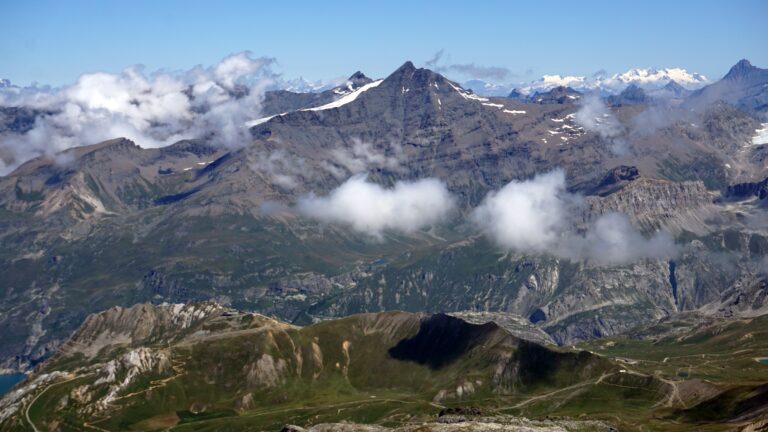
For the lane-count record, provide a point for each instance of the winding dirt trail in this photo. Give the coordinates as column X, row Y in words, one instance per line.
column 26, row 411
column 575, row 386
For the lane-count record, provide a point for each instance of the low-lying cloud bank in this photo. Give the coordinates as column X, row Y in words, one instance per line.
column 535, row 216
column 154, row 110
column 371, row 209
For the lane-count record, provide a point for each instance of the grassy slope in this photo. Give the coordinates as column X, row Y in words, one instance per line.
column 376, row 388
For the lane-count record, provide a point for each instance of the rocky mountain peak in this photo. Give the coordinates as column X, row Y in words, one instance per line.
column 674, row 88
column 359, row 77
column 516, row 94
column 406, row 67
column 406, row 71
column 622, row 172
column 743, row 87
column 557, row 95
column 672, row 85
column 741, row 70
column 408, row 79
column 633, row 94
column 616, row 179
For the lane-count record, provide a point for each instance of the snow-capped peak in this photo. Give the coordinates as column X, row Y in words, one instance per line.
column 301, row 85
column 660, row 77
column 646, row 79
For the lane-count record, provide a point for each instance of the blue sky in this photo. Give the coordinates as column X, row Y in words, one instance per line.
column 53, row 42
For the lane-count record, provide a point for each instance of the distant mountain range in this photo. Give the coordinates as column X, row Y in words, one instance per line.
column 646, row 79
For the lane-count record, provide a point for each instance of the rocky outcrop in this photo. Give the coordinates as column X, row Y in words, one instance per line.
column 615, row 179
column 283, row 101
column 747, row 190
column 266, row 372
column 632, row 95
column 514, row 324
column 747, row 297
column 558, row 95
column 657, row 204
column 138, row 325
column 117, row 375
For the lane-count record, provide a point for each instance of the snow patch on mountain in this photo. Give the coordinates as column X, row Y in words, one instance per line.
column 346, row 99
column 761, row 135
column 467, row 95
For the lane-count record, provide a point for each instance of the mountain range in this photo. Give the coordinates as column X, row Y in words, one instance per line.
column 566, row 218
column 647, row 79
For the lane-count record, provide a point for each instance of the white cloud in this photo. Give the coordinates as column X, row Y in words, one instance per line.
column 237, row 69
column 534, row 216
column 153, row 110
column 595, row 116
column 371, row 209
column 525, row 216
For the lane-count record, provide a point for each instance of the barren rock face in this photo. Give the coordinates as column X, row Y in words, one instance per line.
column 654, row 205
column 138, row 325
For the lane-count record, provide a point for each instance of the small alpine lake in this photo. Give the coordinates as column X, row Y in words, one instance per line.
column 9, row 380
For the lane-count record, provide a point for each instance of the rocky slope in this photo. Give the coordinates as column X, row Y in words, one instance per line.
column 743, row 86
column 283, row 101
column 114, row 224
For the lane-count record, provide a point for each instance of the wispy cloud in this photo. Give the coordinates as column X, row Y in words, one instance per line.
column 364, row 156
column 293, row 172
column 469, row 70
column 594, row 116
